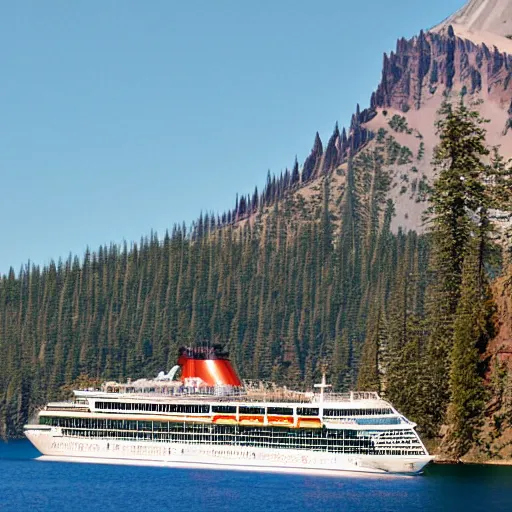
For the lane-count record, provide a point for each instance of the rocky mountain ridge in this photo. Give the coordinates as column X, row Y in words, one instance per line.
column 416, row 78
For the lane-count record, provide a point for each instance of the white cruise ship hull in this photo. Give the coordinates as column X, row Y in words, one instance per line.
column 50, row 442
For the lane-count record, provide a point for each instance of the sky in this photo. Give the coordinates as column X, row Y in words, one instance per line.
column 118, row 118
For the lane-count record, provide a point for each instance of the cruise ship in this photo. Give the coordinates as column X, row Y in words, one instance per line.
column 201, row 415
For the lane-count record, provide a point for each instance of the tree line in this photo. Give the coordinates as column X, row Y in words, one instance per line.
column 437, row 369
column 286, row 293
column 290, row 291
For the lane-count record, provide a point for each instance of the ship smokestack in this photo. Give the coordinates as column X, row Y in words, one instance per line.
column 210, row 364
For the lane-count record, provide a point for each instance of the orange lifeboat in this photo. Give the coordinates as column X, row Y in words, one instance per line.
column 309, row 423
column 280, row 421
column 252, row 420
column 224, row 420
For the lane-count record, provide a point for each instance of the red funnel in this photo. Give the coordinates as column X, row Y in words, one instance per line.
column 209, row 364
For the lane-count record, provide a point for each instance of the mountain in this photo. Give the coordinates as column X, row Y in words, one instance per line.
column 417, row 77
column 329, row 263
column 481, row 19
column 447, row 62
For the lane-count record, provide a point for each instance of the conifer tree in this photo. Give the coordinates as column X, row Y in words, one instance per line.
column 471, row 332
column 457, row 192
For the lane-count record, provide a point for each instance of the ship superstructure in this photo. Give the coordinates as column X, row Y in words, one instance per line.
column 209, row 418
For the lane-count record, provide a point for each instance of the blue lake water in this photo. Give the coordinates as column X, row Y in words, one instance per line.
column 28, row 484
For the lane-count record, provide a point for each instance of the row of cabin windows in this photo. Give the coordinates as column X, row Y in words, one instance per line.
column 338, row 413
column 332, row 441
column 148, row 407
column 185, row 427
column 232, row 409
column 314, row 444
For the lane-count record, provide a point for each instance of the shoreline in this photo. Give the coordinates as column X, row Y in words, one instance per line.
column 455, row 462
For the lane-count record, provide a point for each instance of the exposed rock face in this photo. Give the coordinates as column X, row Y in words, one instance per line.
column 390, row 146
column 416, row 78
column 436, row 63
column 468, row 54
column 313, row 160
column 471, row 57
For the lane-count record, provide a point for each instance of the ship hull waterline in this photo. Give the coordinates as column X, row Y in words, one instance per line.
column 56, row 447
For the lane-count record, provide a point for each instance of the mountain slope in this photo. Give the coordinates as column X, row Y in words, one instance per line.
column 417, row 77
column 483, row 18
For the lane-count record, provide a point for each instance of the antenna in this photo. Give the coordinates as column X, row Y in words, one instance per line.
column 323, row 385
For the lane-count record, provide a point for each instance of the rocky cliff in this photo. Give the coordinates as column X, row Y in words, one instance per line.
column 445, row 63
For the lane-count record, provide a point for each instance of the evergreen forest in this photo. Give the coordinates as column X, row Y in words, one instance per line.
column 289, row 290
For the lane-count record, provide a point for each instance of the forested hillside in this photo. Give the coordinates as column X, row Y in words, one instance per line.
column 383, row 258
column 285, row 296
column 294, row 287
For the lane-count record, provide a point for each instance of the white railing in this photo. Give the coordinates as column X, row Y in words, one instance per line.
column 347, row 397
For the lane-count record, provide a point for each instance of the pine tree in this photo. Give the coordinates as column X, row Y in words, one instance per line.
column 457, row 191
column 369, row 378
column 472, row 330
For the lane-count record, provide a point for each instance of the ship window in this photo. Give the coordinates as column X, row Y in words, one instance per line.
column 189, row 408
column 378, row 421
column 285, row 411
column 251, row 410
column 337, row 413
column 307, row 411
column 226, row 409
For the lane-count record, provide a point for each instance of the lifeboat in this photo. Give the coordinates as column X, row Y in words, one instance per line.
column 309, row 423
column 224, row 420
column 280, row 421
column 252, row 420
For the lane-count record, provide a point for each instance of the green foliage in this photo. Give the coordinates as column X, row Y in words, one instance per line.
column 396, row 153
column 424, row 190
column 295, row 287
column 405, row 156
column 381, row 135
column 369, row 378
column 459, row 308
column 471, row 332
column 393, row 150
column 399, row 124
column 421, row 151
column 283, row 295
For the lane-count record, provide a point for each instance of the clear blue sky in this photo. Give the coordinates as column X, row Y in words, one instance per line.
column 118, row 117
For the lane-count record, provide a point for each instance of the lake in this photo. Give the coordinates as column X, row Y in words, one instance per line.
column 28, row 484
